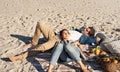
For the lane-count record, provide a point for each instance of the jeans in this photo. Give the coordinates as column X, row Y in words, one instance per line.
column 73, row 52
column 66, row 52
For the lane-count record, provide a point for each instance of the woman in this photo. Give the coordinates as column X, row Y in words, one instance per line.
column 65, row 46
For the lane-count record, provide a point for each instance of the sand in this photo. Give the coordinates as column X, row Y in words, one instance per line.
column 18, row 19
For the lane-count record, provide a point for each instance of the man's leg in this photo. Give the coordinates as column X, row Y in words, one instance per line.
column 42, row 28
column 40, row 48
column 22, row 55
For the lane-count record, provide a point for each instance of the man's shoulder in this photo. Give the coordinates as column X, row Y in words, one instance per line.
column 74, row 35
column 74, row 32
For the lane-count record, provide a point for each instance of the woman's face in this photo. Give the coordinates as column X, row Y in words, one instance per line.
column 65, row 35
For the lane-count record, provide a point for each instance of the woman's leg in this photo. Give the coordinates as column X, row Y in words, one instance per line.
column 55, row 56
column 74, row 53
column 65, row 57
column 83, row 67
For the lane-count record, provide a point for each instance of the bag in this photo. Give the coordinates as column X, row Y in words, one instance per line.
column 112, row 46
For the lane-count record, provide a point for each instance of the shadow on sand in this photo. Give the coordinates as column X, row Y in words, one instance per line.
column 32, row 60
column 27, row 39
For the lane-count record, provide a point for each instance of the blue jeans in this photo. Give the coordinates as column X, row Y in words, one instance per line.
column 65, row 52
column 73, row 52
column 59, row 52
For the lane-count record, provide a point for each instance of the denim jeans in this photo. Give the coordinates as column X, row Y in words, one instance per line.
column 66, row 52
column 73, row 52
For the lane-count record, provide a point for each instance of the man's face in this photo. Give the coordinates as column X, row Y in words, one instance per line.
column 65, row 35
column 86, row 31
column 98, row 39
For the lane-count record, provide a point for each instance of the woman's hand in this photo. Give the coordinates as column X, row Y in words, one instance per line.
column 75, row 43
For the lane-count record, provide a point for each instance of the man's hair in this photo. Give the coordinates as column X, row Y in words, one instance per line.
column 101, row 36
column 63, row 31
column 91, row 32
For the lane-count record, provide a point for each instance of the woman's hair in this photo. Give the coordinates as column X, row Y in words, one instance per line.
column 61, row 32
column 91, row 32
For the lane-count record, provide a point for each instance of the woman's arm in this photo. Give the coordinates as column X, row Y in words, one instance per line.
column 77, row 44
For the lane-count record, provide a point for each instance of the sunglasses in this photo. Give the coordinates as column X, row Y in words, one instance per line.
column 87, row 29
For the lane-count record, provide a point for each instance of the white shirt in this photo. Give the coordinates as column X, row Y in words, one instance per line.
column 74, row 35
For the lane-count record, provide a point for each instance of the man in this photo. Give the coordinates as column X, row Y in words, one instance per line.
column 42, row 28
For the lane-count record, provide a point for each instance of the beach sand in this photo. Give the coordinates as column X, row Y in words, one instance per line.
column 18, row 19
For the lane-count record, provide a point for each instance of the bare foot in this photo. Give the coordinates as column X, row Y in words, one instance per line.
column 85, row 70
column 50, row 68
column 14, row 58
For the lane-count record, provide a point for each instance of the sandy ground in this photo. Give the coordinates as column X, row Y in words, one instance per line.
column 18, row 19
